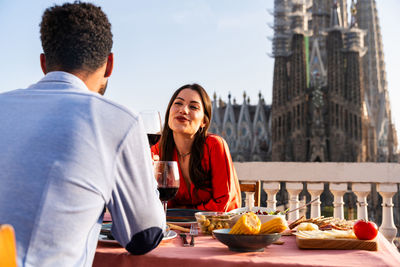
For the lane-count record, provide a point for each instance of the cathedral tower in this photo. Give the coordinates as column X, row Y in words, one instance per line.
column 376, row 92
column 320, row 110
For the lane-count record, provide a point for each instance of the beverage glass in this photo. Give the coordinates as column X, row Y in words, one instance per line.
column 152, row 125
column 167, row 176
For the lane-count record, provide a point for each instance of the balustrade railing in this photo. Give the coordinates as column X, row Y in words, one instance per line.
column 359, row 177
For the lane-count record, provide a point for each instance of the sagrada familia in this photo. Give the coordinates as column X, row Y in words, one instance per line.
column 330, row 99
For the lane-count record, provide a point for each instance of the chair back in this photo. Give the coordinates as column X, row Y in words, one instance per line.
column 252, row 192
column 8, row 251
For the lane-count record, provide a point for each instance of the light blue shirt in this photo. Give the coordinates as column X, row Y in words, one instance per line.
column 66, row 153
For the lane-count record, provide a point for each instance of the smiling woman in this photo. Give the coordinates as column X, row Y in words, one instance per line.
column 208, row 178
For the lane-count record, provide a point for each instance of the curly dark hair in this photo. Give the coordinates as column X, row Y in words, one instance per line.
column 75, row 36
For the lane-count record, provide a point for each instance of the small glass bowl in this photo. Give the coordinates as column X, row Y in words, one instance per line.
column 210, row 220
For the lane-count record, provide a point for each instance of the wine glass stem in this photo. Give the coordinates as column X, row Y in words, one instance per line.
column 165, row 207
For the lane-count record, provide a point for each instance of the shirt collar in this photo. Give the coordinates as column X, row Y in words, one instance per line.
column 62, row 77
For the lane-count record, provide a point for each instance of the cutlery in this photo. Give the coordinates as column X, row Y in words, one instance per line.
column 185, row 242
column 305, row 205
column 193, row 232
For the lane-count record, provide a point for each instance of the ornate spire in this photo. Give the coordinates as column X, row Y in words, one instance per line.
column 353, row 23
column 316, row 63
column 354, row 36
column 281, row 26
column 336, row 20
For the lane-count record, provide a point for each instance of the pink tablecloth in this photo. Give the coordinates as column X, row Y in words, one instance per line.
column 210, row 252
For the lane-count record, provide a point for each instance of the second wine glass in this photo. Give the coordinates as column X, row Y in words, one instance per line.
column 152, row 125
column 167, row 176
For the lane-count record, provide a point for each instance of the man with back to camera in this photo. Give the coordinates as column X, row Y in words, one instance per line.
column 66, row 152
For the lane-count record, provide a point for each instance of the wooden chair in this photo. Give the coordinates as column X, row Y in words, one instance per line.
column 8, row 254
column 252, row 192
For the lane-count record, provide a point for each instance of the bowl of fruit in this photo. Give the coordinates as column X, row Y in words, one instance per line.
column 249, row 234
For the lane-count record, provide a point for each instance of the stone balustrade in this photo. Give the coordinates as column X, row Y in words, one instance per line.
column 340, row 176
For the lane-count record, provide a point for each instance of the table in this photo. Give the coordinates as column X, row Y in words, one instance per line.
column 210, row 252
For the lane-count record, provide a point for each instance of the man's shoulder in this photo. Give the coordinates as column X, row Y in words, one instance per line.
column 15, row 91
column 76, row 97
column 116, row 106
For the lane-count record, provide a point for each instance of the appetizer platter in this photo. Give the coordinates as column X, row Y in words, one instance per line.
column 332, row 233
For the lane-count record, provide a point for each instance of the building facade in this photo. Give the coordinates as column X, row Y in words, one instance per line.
column 245, row 127
column 330, row 99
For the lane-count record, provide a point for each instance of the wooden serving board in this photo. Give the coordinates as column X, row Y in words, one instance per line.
column 337, row 243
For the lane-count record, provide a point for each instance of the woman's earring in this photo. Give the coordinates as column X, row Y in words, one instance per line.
column 201, row 130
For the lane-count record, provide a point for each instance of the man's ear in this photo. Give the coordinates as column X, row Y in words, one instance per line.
column 109, row 66
column 43, row 63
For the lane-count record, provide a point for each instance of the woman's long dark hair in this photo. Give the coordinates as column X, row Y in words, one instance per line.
column 200, row 177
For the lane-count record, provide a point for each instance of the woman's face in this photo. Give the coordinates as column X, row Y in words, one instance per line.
column 186, row 114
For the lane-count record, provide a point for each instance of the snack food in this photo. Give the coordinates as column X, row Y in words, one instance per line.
column 328, row 234
column 248, row 224
column 325, row 223
column 209, row 221
column 304, row 226
column 276, row 225
column 177, row 227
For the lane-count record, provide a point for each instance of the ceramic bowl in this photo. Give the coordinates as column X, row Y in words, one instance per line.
column 245, row 243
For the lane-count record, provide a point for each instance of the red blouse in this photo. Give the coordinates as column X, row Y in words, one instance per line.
column 224, row 193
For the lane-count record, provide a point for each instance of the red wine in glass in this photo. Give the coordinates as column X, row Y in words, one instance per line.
column 152, row 125
column 153, row 138
column 167, row 176
column 167, row 193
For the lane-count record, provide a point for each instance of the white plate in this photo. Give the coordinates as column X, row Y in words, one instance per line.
column 103, row 238
column 170, row 234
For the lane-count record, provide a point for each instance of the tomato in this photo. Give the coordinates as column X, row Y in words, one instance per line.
column 365, row 230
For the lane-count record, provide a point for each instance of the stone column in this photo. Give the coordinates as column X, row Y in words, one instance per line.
column 249, row 202
column 294, row 190
column 362, row 191
column 271, row 189
column 338, row 190
column 303, row 211
column 387, row 228
column 315, row 190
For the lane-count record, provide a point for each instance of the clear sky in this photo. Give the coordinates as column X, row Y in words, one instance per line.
column 160, row 45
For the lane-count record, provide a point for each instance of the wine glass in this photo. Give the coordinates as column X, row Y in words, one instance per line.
column 152, row 125
column 167, row 176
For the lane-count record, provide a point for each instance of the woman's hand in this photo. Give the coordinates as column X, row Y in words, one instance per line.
column 155, row 157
